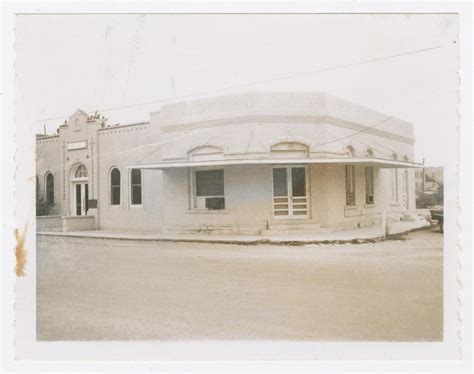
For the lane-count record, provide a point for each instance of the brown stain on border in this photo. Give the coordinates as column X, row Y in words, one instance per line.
column 20, row 252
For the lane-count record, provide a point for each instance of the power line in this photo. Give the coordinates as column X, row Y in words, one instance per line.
column 297, row 75
column 354, row 133
column 159, row 144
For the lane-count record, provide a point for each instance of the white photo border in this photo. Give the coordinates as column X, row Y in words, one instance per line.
column 21, row 351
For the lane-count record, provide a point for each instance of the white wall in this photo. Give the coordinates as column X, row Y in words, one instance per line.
column 248, row 189
column 48, row 160
column 248, row 202
column 328, row 197
column 119, row 148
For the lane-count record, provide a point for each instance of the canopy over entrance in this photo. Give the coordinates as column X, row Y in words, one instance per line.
column 362, row 161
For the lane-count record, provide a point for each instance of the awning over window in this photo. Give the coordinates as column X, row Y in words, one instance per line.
column 362, row 161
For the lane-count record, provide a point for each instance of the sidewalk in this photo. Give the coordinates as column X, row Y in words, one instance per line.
column 344, row 236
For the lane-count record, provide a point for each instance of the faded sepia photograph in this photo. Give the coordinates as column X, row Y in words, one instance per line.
column 240, row 177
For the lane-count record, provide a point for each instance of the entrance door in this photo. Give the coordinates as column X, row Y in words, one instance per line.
column 81, row 199
column 290, row 196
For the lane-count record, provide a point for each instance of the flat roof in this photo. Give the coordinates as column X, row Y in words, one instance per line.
column 362, row 161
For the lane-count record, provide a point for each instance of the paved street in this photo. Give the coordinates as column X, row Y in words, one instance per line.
column 103, row 289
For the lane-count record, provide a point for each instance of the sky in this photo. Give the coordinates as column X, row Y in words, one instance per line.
column 401, row 65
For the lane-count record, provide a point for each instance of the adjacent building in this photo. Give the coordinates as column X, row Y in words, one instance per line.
column 250, row 163
column 428, row 180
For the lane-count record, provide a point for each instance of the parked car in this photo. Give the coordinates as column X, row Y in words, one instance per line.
column 437, row 215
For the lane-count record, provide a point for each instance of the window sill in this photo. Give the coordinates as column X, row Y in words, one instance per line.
column 351, row 207
column 79, row 217
column 206, row 211
column 369, row 205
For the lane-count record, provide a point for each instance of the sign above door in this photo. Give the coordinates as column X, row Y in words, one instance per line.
column 77, row 145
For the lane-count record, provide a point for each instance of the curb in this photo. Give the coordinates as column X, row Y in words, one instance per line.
column 266, row 241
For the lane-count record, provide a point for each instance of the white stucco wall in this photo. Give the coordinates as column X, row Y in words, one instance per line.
column 140, row 140
column 245, row 125
column 328, row 197
column 48, row 160
column 248, row 202
column 250, row 123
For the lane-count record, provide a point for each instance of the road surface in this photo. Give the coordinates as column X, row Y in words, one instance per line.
column 101, row 289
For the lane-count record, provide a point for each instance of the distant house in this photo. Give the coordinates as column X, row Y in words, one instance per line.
column 428, row 180
column 245, row 163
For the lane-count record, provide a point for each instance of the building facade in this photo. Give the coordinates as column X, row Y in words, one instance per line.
column 428, row 180
column 251, row 163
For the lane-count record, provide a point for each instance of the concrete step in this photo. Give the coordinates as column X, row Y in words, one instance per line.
column 290, row 227
column 293, row 223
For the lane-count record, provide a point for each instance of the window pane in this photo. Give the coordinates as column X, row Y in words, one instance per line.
column 136, row 195
column 350, row 178
column 347, row 178
column 50, row 189
column 115, row 199
column 86, row 197
column 280, row 186
column 350, row 198
column 369, row 180
column 78, row 200
column 298, row 181
column 210, row 183
column 81, row 172
column 136, row 176
column 115, row 177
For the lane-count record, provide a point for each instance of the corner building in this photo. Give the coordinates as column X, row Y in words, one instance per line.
column 251, row 163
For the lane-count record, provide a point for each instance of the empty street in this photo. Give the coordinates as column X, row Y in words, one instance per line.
column 107, row 289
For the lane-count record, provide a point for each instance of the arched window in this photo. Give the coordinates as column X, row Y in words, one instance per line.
column 115, row 187
column 49, row 189
column 81, row 172
column 405, row 158
column 394, row 156
column 370, row 152
column 136, row 187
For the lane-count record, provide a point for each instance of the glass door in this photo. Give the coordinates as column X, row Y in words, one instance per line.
column 290, row 198
column 299, row 200
column 82, row 197
column 78, row 199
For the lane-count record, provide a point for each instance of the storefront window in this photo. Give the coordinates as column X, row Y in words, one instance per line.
column 209, row 189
